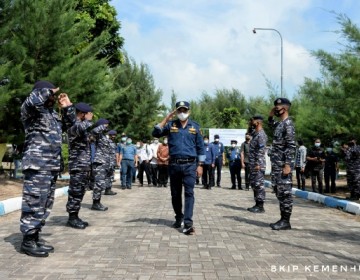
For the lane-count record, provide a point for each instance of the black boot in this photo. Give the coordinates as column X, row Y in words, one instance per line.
column 283, row 223
column 75, row 222
column 42, row 245
column 257, row 208
column 109, row 192
column 98, row 206
column 31, row 248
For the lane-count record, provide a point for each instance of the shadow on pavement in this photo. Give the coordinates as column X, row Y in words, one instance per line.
column 231, row 207
column 251, row 222
column 15, row 239
column 159, row 222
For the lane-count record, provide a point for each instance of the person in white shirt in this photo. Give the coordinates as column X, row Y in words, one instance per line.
column 145, row 155
column 153, row 163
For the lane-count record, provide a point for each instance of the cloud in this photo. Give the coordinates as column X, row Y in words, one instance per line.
column 196, row 46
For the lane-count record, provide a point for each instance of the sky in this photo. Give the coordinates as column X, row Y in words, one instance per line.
column 200, row 46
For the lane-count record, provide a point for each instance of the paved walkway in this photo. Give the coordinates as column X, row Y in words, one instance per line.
column 134, row 240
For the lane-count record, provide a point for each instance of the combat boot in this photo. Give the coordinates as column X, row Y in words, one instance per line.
column 283, row 223
column 42, row 245
column 353, row 196
column 257, row 208
column 98, row 206
column 109, row 192
column 75, row 222
column 31, row 248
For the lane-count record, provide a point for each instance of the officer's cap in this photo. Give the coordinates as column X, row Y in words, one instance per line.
column 112, row 132
column 182, row 104
column 257, row 118
column 43, row 84
column 101, row 121
column 282, row 101
column 83, row 107
column 234, row 141
column 216, row 136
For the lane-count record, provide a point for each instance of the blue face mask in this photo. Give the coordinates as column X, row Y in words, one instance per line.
column 128, row 142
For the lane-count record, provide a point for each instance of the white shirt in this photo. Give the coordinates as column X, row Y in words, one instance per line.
column 145, row 153
column 154, row 147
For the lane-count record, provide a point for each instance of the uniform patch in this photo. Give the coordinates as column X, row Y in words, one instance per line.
column 174, row 128
column 192, row 130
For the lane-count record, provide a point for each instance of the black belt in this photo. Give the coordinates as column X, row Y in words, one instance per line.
column 182, row 160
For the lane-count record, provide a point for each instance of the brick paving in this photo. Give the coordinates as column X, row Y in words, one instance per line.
column 134, row 240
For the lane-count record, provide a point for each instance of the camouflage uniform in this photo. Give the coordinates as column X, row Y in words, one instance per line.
column 102, row 161
column 112, row 154
column 283, row 152
column 79, row 164
column 352, row 160
column 41, row 157
column 273, row 181
column 257, row 158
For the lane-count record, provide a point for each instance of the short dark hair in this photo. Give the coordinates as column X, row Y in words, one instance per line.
column 300, row 142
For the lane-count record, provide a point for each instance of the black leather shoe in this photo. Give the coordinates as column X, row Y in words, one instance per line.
column 98, row 207
column 76, row 223
column 177, row 224
column 45, row 247
column 188, row 230
column 109, row 192
column 256, row 209
column 281, row 225
column 31, row 248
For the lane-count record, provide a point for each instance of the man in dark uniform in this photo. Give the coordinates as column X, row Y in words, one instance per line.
column 209, row 164
column 330, row 170
column 352, row 159
column 234, row 157
column 257, row 164
column 283, row 155
column 112, row 154
column 219, row 159
column 315, row 163
column 79, row 163
column 245, row 159
column 187, row 155
column 41, row 160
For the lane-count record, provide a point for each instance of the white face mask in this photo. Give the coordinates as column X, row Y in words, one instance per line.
column 206, row 142
column 182, row 116
column 156, row 141
column 165, row 141
column 317, row 144
column 233, row 145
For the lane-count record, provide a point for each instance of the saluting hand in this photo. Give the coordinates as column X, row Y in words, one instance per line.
column 63, row 100
column 170, row 115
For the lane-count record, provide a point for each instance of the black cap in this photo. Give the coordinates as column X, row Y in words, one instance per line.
column 216, row 136
column 43, row 84
column 282, row 101
column 182, row 104
column 83, row 107
column 112, row 132
column 234, row 141
column 101, row 121
column 257, row 118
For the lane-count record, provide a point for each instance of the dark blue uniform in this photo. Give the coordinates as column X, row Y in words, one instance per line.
column 186, row 147
column 219, row 151
column 234, row 157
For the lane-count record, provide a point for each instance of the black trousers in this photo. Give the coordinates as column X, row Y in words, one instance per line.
column 163, row 174
column 330, row 175
column 144, row 167
column 208, row 176
column 247, row 174
column 300, row 176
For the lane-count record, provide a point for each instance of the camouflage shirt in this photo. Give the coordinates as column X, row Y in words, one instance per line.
column 43, row 128
column 79, row 146
column 112, row 152
column 102, row 146
column 257, row 149
column 352, row 158
column 283, row 146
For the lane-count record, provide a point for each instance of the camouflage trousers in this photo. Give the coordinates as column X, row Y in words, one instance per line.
column 37, row 200
column 79, row 180
column 257, row 184
column 100, row 172
column 109, row 178
column 353, row 180
column 284, row 187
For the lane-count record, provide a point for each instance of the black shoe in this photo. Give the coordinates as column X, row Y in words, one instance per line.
column 246, row 189
column 45, row 247
column 76, row 223
column 218, row 186
column 177, row 224
column 256, row 209
column 109, row 192
column 128, row 187
column 123, row 187
column 188, row 230
column 233, row 188
column 240, row 188
column 165, row 185
column 30, row 247
column 281, row 225
column 98, row 206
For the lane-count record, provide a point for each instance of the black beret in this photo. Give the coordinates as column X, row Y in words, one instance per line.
column 83, row 107
column 257, row 117
column 234, row 141
column 112, row 132
column 43, row 84
column 282, row 101
column 101, row 121
column 182, row 104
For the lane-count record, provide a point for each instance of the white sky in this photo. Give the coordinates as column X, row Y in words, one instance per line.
column 199, row 46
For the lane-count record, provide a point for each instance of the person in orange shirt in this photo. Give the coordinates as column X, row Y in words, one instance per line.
column 163, row 163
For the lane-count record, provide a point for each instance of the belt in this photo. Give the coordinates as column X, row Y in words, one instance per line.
column 127, row 159
column 182, row 160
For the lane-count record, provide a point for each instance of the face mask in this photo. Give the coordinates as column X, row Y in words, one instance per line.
column 128, row 142
column 277, row 112
column 123, row 139
column 247, row 138
column 233, row 145
column 216, row 140
column 165, row 141
column 156, row 141
column 317, row 145
column 183, row 116
column 329, row 150
column 138, row 146
column 206, row 142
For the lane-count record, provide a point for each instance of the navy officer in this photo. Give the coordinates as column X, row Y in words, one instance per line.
column 187, row 155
